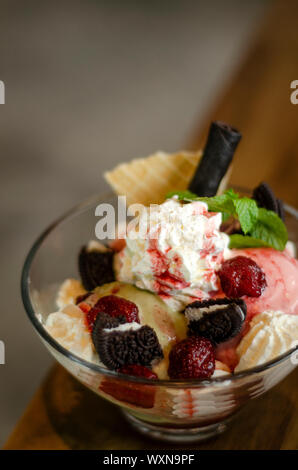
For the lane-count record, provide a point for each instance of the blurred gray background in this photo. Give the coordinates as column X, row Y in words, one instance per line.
column 89, row 84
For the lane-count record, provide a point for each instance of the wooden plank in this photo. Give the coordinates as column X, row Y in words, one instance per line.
column 63, row 414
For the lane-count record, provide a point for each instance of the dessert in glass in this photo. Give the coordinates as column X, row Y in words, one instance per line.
column 185, row 311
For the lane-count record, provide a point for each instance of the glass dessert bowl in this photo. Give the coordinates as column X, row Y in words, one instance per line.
column 171, row 410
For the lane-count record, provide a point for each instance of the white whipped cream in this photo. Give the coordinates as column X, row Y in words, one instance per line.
column 68, row 327
column 291, row 249
column 271, row 334
column 175, row 253
column 68, row 292
column 220, row 373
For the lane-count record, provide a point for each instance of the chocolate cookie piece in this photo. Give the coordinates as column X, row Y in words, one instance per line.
column 217, row 319
column 135, row 345
column 96, row 267
column 104, row 320
column 265, row 197
column 218, row 153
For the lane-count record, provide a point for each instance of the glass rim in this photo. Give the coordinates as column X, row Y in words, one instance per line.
column 38, row 326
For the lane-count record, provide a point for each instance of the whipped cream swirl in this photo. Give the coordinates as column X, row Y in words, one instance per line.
column 271, row 334
column 175, row 253
column 69, row 328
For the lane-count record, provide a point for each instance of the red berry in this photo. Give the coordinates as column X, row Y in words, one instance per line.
column 192, row 358
column 91, row 316
column 114, row 306
column 242, row 276
column 130, row 392
column 138, row 371
column 86, row 303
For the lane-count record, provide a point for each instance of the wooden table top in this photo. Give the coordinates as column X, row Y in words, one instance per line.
column 65, row 415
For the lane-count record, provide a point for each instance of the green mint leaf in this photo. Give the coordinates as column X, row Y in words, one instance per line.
column 222, row 203
column 260, row 226
column 231, row 194
column 247, row 212
column 229, row 204
column 245, row 241
column 270, row 229
column 225, row 216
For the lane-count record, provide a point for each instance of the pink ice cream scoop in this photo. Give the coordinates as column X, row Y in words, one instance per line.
column 281, row 272
column 281, row 293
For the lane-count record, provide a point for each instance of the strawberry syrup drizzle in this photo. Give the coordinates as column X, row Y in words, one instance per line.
column 159, row 262
column 164, row 281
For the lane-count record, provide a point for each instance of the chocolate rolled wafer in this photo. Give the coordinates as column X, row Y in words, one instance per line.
column 218, row 153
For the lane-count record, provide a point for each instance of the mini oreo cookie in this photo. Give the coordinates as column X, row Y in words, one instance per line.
column 96, row 267
column 221, row 144
column 217, row 319
column 265, row 197
column 136, row 345
column 104, row 320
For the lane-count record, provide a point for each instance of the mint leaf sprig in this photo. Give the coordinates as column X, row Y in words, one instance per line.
column 260, row 226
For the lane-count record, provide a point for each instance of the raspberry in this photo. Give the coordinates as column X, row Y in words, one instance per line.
column 129, row 392
column 91, row 315
column 192, row 358
column 242, row 276
column 138, row 371
column 115, row 307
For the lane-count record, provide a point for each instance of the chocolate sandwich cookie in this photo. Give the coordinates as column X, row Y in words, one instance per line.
column 217, row 319
column 96, row 267
column 127, row 344
column 265, row 197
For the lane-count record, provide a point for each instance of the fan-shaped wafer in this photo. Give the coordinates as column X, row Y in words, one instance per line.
column 148, row 180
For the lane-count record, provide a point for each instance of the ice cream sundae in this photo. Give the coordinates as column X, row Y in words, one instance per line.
column 207, row 285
